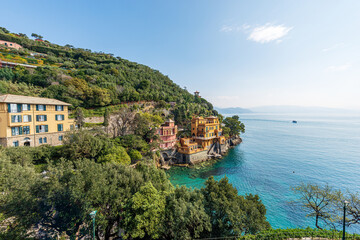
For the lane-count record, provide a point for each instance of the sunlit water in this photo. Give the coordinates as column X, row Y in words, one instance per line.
column 277, row 154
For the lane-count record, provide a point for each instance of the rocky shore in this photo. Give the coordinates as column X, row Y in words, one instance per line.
column 171, row 157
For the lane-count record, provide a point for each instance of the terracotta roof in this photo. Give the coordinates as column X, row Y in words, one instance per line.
column 10, row 98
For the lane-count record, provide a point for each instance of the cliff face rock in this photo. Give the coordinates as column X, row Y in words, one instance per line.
column 235, row 141
column 216, row 150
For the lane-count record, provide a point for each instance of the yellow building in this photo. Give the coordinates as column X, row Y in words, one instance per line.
column 32, row 121
column 204, row 132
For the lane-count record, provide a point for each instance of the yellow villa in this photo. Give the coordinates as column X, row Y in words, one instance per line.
column 204, row 132
column 33, row 121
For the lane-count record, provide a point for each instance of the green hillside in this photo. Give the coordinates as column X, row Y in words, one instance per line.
column 89, row 79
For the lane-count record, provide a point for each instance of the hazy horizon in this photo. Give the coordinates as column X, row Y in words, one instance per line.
column 236, row 53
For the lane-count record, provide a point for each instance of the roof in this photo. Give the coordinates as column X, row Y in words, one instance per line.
column 10, row 98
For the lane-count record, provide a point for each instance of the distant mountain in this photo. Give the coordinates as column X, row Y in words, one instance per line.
column 234, row 110
column 299, row 109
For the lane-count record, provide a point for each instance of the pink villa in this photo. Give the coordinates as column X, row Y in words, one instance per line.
column 10, row 44
column 167, row 133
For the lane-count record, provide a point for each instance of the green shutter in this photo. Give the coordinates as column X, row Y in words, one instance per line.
column 37, row 107
column 9, row 109
column 45, row 117
column 29, row 118
column 37, row 129
column 12, row 119
column 59, row 128
column 62, row 108
column 37, row 117
column 46, row 128
column 29, row 107
column 44, row 107
column 13, row 131
column 20, row 130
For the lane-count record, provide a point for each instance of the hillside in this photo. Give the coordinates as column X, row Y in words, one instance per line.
column 89, row 79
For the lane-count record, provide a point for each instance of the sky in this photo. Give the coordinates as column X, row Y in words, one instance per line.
column 235, row 53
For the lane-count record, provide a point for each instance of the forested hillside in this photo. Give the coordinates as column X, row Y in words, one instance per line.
column 89, row 79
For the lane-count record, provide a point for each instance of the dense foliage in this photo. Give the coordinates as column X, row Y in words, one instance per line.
column 233, row 126
column 138, row 203
column 90, row 79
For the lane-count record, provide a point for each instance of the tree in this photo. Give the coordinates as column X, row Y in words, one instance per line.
column 145, row 213
column 123, row 122
column 37, row 36
column 353, row 208
column 106, row 118
column 236, row 127
column 318, row 202
column 79, row 117
column 135, row 155
column 116, row 154
column 4, row 30
column 85, row 144
column 231, row 214
column 132, row 141
column 185, row 216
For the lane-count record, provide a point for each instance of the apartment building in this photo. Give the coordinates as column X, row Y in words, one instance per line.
column 33, row 121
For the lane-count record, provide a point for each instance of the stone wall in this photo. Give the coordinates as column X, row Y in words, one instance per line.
column 196, row 157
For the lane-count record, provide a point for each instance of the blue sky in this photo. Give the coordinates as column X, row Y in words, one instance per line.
column 236, row 53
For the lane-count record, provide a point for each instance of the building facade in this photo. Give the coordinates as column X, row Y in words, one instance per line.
column 33, row 121
column 204, row 132
column 167, row 133
column 10, row 44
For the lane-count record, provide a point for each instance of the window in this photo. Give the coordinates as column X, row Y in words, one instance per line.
column 40, row 107
column 41, row 118
column 61, row 137
column 15, row 118
column 60, row 128
column 45, row 139
column 16, row 131
column 59, row 108
column 26, row 107
column 40, row 140
column 27, row 118
column 59, row 117
column 14, row 108
column 42, row 128
column 26, row 129
column 71, row 127
column 15, row 143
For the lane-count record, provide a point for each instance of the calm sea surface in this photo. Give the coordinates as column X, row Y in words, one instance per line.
column 277, row 154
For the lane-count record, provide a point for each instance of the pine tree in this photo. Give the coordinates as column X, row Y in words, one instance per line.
column 79, row 117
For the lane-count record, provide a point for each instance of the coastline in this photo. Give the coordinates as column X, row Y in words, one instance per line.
column 172, row 157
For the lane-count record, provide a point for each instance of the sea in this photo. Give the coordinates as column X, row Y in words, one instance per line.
column 277, row 155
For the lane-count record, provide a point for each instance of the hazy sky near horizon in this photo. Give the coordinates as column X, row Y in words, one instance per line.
column 236, row 53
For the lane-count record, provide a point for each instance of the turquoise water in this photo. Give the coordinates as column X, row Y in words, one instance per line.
column 277, row 154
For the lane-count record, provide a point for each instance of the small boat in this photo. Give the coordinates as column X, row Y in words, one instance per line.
column 294, row 121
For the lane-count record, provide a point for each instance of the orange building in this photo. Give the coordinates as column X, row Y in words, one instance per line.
column 204, row 133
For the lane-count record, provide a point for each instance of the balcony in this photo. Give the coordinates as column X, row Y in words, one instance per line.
column 205, row 138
